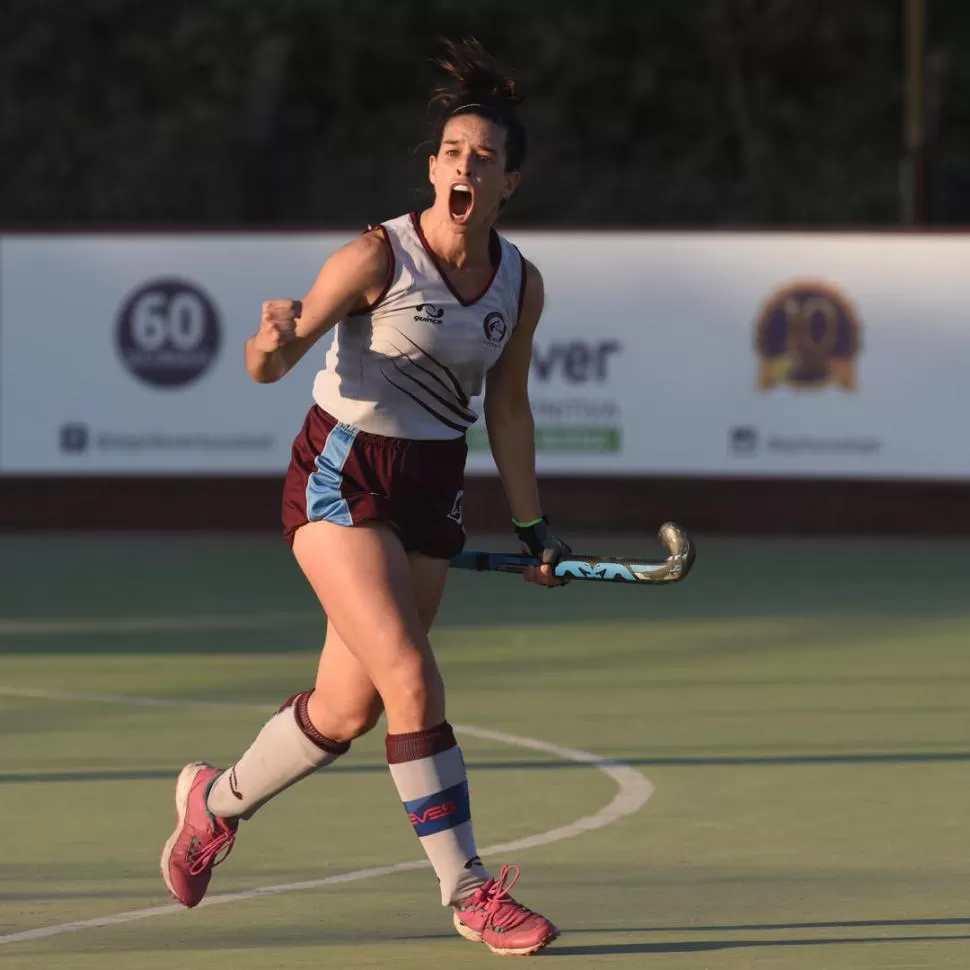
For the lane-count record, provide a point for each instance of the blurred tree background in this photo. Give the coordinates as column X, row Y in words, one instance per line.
column 657, row 112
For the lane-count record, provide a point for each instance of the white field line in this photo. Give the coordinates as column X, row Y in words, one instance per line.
column 198, row 623
column 42, row 694
column 634, row 791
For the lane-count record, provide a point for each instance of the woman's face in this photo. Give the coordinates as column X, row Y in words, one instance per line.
column 468, row 173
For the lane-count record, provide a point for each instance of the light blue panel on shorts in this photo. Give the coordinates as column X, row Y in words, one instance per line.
column 323, row 498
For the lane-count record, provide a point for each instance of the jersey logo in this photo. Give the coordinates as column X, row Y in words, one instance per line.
column 496, row 329
column 428, row 313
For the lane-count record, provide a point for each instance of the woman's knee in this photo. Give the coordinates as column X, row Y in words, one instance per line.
column 358, row 723
column 413, row 691
column 336, row 719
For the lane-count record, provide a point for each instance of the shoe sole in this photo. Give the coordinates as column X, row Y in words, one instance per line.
column 183, row 787
column 469, row 934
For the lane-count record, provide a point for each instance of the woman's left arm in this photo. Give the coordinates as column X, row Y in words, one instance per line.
column 511, row 431
column 508, row 414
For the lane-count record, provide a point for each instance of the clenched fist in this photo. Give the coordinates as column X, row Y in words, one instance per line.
column 277, row 325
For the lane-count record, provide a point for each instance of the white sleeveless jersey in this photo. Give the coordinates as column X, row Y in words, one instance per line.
column 409, row 366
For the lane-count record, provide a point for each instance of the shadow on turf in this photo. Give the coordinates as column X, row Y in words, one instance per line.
column 607, row 949
column 897, row 758
column 762, row 927
column 291, row 937
column 734, row 580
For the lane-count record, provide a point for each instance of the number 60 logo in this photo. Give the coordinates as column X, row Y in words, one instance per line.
column 168, row 332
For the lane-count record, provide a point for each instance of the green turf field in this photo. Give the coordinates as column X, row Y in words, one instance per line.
column 800, row 708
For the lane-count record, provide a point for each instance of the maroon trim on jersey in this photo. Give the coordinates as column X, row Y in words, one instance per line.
column 495, row 253
column 522, row 282
column 390, row 273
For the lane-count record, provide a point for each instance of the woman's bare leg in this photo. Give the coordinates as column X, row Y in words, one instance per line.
column 366, row 584
column 380, row 601
column 345, row 704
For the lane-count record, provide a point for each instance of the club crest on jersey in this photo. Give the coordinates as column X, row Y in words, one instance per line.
column 428, row 313
column 496, row 329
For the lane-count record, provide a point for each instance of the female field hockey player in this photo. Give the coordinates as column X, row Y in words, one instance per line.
column 428, row 308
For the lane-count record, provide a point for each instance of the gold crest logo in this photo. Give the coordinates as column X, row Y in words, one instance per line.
column 807, row 335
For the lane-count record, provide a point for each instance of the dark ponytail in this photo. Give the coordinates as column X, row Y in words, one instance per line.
column 478, row 84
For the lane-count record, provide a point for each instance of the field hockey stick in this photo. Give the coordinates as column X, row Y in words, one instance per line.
column 680, row 558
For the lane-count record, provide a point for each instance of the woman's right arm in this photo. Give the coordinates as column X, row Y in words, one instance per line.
column 352, row 278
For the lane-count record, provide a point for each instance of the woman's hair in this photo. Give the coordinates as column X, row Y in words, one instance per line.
column 478, row 84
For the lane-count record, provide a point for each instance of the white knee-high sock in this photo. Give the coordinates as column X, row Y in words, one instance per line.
column 286, row 750
column 429, row 772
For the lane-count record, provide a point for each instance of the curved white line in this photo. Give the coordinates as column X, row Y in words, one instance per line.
column 634, row 791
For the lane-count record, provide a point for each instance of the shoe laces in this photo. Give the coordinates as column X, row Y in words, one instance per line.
column 207, row 857
column 495, row 898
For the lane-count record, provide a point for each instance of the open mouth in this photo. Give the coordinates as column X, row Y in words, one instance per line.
column 461, row 201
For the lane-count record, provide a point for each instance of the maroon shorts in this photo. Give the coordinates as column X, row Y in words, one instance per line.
column 340, row 474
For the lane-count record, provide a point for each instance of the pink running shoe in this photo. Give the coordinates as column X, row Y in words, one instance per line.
column 491, row 916
column 191, row 853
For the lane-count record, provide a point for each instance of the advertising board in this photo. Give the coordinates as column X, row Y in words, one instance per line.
column 708, row 354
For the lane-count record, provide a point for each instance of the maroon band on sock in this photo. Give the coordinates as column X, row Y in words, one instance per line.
column 299, row 704
column 419, row 744
column 290, row 701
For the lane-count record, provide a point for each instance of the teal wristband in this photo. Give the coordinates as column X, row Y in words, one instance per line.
column 528, row 525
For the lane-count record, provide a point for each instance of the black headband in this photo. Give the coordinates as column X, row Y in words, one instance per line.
column 494, row 111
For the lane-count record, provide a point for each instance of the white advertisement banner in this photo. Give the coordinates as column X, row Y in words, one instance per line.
column 711, row 354
column 124, row 354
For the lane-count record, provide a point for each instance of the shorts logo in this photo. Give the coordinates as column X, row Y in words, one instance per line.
column 496, row 329
column 807, row 336
column 455, row 513
column 428, row 313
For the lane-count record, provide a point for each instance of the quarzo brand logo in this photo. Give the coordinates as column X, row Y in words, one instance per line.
column 428, row 313
column 807, row 335
column 167, row 332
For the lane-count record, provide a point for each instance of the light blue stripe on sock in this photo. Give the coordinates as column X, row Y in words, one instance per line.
column 323, row 498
